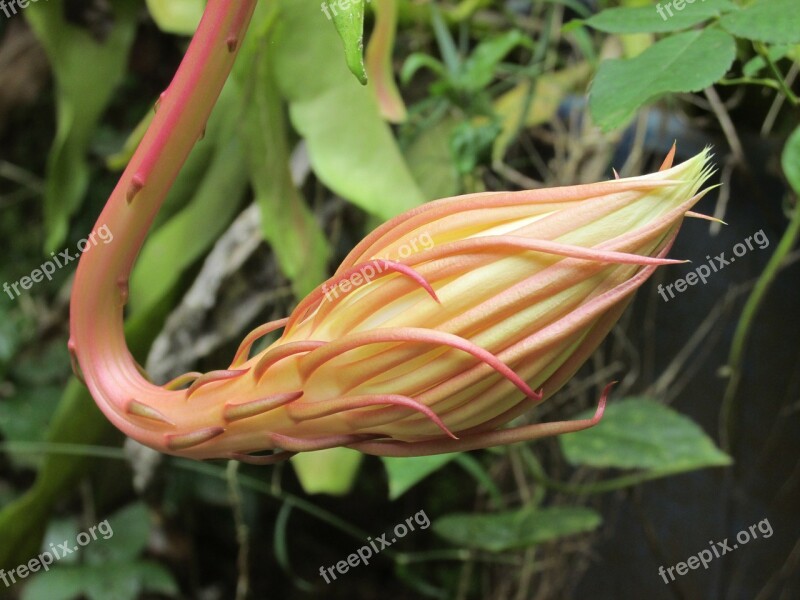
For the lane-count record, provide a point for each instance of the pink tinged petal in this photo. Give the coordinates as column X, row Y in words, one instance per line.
column 423, row 216
column 696, row 215
column 182, row 380
column 584, row 315
column 668, row 219
column 331, row 350
column 548, row 336
column 667, row 164
column 184, row 441
column 507, row 242
column 279, row 352
column 213, row 377
column 235, row 411
column 385, row 267
column 296, row 444
column 488, row 439
column 304, row 411
column 242, row 352
column 140, row 409
column 261, row 460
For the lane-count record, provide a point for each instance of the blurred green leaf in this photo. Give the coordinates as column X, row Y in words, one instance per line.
column 129, row 581
column 123, row 537
column 639, row 433
column 48, row 364
column 352, row 150
column 405, row 473
column 770, row 21
column 330, row 471
column 755, row 64
column 431, row 161
column 24, row 417
column 64, row 583
column 648, row 19
column 82, row 95
column 790, row 160
column 58, row 531
column 478, row 69
column 12, row 334
column 176, row 16
column 119, row 160
column 76, row 420
column 182, row 240
column 116, row 581
column 349, row 21
column 471, row 144
column 111, row 570
column 686, row 62
column 511, row 530
column 549, row 91
column 288, row 225
column 418, row 60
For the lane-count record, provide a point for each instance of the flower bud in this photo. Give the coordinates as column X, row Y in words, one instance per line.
column 439, row 328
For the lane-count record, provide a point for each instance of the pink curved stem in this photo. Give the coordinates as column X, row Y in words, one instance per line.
column 97, row 338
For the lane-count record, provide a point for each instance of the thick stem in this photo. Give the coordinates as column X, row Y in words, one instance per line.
column 97, row 340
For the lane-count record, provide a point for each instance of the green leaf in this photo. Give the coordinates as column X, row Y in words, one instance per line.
column 128, row 581
column 515, row 529
column 76, row 421
column 352, row 149
column 82, row 95
column 121, row 537
column 176, row 16
column 24, row 417
column 649, row 19
column 549, row 91
column 287, row 223
column 348, row 16
column 119, row 160
column 58, row 531
column 416, row 61
column 478, row 69
column 431, row 162
column 686, row 62
column 757, row 63
column 770, row 21
column 114, row 581
column 63, row 583
column 470, row 144
column 182, row 240
column 330, row 471
column 790, row 160
column 405, row 473
column 639, row 433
